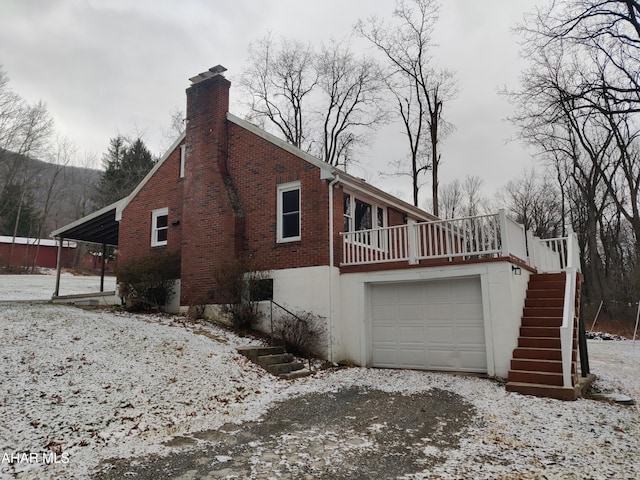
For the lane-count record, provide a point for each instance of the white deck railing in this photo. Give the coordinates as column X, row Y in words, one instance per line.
column 470, row 237
column 483, row 236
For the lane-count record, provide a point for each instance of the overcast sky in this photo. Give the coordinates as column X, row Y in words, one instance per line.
column 105, row 67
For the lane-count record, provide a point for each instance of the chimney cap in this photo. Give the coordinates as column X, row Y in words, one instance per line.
column 212, row 72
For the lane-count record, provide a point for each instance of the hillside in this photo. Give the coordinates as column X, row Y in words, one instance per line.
column 70, row 188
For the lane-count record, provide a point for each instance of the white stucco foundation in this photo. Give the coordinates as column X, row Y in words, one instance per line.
column 503, row 295
column 344, row 300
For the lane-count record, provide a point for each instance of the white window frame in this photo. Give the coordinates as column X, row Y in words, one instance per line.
column 283, row 188
column 155, row 214
column 183, row 159
column 374, row 241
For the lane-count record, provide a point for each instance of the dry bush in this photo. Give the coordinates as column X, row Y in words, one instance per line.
column 302, row 333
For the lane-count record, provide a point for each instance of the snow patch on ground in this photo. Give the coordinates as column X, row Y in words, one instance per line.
column 94, row 385
column 41, row 287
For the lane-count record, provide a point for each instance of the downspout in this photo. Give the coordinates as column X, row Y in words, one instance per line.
column 332, row 183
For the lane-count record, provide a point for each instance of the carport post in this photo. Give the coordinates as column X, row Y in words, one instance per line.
column 102, row 268
column 58, row 267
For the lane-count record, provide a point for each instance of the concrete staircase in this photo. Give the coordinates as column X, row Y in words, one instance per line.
column 536, row 365
column 276, row 361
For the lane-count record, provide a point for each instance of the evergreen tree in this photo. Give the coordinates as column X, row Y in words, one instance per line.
column 126, row 163
column 19, row 214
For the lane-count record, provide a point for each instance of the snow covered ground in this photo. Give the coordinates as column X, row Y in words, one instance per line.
column 41, row 287
column 94, row 385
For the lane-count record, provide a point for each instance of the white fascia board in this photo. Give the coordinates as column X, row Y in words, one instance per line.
column 324, row 167
column 384, row 197
column 127, row 200
column 97, row 213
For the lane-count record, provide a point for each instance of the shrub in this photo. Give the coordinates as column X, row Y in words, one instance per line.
column 236, row 280
column 147, row 283
column 302, row 333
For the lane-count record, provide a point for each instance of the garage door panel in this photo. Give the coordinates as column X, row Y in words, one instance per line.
column 478, row 358
column 411, row 335
column 407, row 292
column 467, row 311
column 411, row 358
column 385, row 335
column 469, row 335
column 441, row 334
column 435, row 325
column 436, row 292
column 382, row 313
column 409, row 313
column 444, row 359
column 386, row 357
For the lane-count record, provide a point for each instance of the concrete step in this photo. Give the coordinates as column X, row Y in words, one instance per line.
column 275, row 360
column 304, row 372
column 252, row 353
column 280, row 368
column 539, row 390
column 264, row 360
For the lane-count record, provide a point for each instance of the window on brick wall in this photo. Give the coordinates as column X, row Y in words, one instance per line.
column 183, row 157
column 159, row 226
column 289, row 212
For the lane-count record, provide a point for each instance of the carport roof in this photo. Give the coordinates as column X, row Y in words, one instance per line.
column 98, row 227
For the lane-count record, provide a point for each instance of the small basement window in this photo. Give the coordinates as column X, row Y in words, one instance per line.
column 159, row 227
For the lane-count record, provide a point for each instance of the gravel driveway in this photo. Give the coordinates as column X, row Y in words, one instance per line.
column 353, row 433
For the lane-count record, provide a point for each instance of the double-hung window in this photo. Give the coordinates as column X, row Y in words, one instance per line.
column 360, row 215
column 159, row 226
column 289, row 217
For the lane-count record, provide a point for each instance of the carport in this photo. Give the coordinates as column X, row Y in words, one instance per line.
column 99, row 227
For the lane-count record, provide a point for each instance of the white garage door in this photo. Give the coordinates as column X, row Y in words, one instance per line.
column 433, row 325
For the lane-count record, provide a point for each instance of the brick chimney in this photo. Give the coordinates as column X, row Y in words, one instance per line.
column 212, row 222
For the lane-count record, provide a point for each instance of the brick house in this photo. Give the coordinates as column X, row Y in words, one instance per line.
column 398, row 287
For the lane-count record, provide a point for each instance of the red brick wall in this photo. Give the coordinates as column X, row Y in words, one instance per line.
column 227, row 202
column 213, row 218
column 257, row 168
column 164, row 189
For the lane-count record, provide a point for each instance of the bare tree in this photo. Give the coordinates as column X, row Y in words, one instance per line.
column 579, row 105
column 451, row 198
column 58, row 159
column 278, row 80
column 352, row 103
column 24, row 131
column 421, row 90
column 463, row 198
column 534, row 202
column 324, row 102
